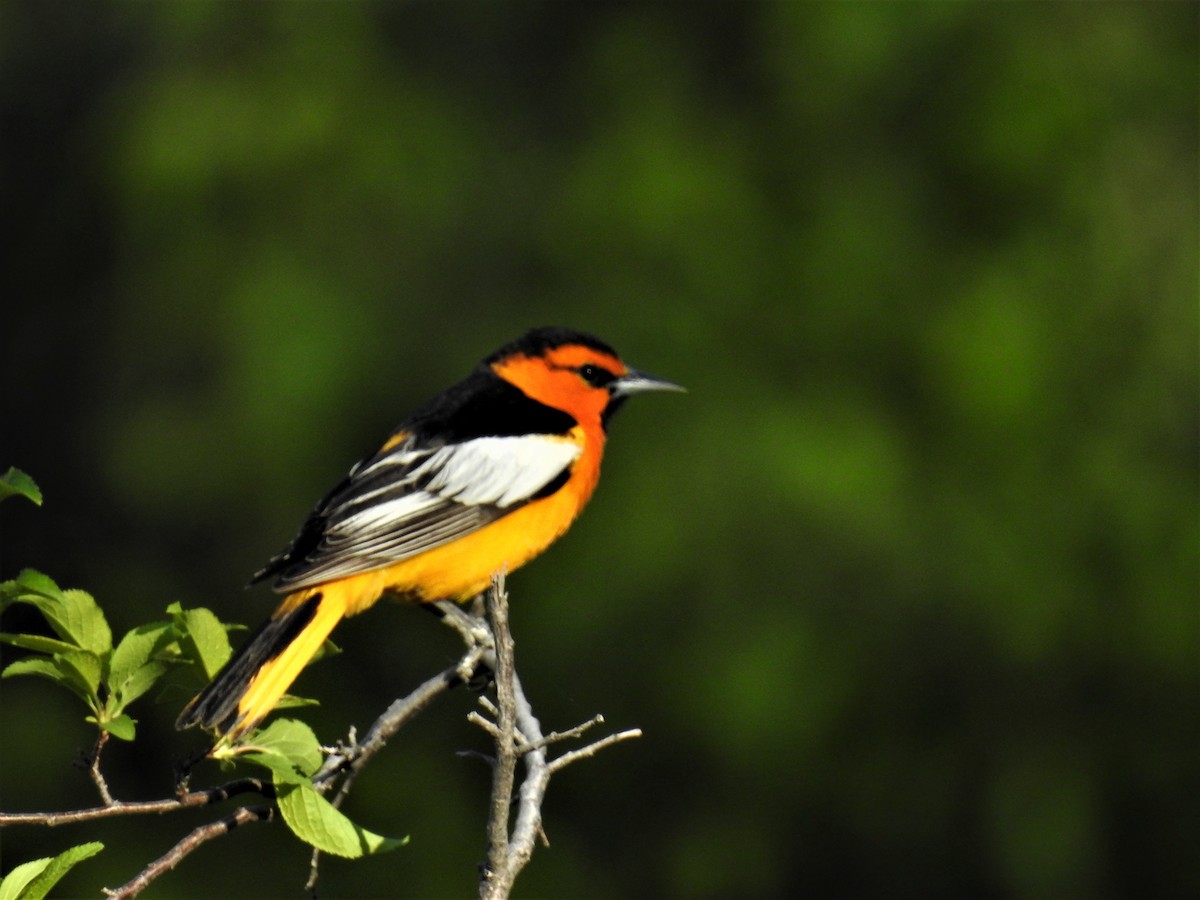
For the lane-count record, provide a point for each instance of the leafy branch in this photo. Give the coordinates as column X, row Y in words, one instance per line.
column 303, row 775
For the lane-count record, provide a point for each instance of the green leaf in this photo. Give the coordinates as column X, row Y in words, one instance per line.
column 32, row 587
column 207, row 638
column 85, row 621
column 327, row 649
column 15, row 483
column 33, row 880
column 54, row 669
column 288, row 740
column 138, row 682
column 135, row 650
column 73, row 614
column 120, row 726
column 85, row 667
column 291, row 701
column 77, row 671
column 316, row 821
column 281, row 768
column 131, row 670
column 14, row 883
column 34, row 665
column 37, row 642
column 34, row 582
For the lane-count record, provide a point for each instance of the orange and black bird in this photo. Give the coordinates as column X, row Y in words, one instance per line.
column 483, row 477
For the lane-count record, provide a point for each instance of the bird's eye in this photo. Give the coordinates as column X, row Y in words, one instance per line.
column 595, row 375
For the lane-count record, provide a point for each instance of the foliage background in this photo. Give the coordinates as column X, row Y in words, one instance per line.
column 904, row 592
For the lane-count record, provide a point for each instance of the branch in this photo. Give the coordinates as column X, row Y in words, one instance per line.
column 351, row 759
column 516, row 732
column 592, row 749
column 142, row 807
column 91, row 762
column 495, row 873
column 518, row 735
column 347, row 761
column 240, row 816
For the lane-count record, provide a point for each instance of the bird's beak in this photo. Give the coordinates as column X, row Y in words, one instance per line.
column 635, row 382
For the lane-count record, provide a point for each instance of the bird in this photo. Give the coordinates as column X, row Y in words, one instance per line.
column 480, row 479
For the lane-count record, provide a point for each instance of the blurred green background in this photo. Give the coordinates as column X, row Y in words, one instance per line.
column 903, row 592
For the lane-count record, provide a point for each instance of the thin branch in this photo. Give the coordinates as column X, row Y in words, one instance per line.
column 488, row 706
column 92, row 764
column 352, row 759
column 528, row 826
column 555, row 737
column 240, row 816
column 518, row 734
column 592, row 749
column 143, row 807
column 522, row 745
column 483, row 722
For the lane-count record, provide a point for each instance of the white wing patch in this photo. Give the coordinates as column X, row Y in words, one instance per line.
column 498, row 471
column 408, row 501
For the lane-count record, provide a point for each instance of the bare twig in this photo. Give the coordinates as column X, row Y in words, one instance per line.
column 353, row 759
column 555, row 737
column 518, row 735
column 522, row 745
column 92, row 764
column 350, row 760
column 483, row 722
column 592, row 749
column 142, row 807
column 488, row 706
column 240, row 816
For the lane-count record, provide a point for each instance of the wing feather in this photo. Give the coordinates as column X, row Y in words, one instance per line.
column 411, row 499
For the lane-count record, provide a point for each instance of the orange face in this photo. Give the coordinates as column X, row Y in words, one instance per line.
column 571, row 378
